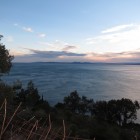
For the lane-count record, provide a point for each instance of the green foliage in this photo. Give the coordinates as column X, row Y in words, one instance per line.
column 5, row 59
column 117, row 111
column 5, row 65
column 17, row 85
column 102, row 120
column 30, row 99
column 85, row 105
column 29, row 96
column 44, row 105
column 32, row 96
column 7, row 92
column 72, row 101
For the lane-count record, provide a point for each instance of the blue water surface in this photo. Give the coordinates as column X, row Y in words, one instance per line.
column 97, row 81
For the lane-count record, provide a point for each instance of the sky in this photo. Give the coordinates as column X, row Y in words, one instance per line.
column 71, row 30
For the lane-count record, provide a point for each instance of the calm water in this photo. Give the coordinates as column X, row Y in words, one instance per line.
column 97, row 81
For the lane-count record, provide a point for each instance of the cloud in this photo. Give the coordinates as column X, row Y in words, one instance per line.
column 69, row 47
column 32, row 55
column 130, row 56
column 55, row 43
column 19, row 52
column 58, row 45
column 42, row 35
column 52, row 54
column 117, row 44
column 45, row 44
column 118, row 28
column 116, row 39
column 48, row 56
column 28, row 29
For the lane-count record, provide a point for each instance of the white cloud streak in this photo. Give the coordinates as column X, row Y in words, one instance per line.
column 68, row 47
column 116, row 39
column 118, row 28
column 57, row 45
column 28, row 29
column 42, row 35
column 45, row 44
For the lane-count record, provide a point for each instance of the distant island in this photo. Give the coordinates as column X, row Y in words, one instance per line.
column 103, row 63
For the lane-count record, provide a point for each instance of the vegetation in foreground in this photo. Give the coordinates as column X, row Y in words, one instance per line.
column 76, row 117
column 26, row 115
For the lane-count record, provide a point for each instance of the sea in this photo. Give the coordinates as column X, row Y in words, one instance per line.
column 98, row 81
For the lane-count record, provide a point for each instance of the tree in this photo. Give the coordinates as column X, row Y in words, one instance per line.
column 128, row 110
column 85, row 105
column 72, row 101
column 5, row 59
column 32, row 96
column 121, row 112
column 100, row 110
column 7, row 92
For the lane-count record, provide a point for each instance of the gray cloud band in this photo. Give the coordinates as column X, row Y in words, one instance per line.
column 53, row 54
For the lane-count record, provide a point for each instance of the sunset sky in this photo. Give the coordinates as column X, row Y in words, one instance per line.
column 71, row 30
